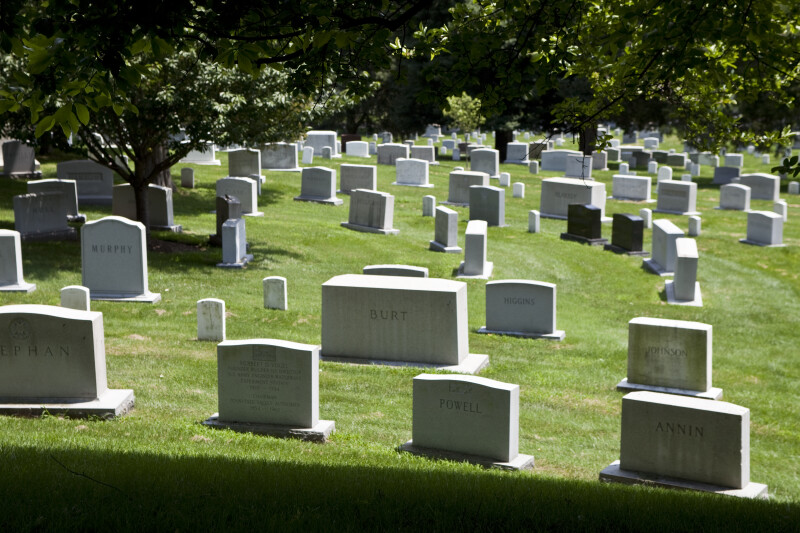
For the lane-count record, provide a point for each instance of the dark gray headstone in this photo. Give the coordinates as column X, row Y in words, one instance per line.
column 627, row 232
column 227, row 207
column 725, row 175
column 639, row 160
column 584, row 221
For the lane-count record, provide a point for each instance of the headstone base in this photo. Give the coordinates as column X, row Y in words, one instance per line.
column 518, row 162
column 318, row 433
column 487, row 272
column 35, row 175
column 438, row 247
column 564, row 217
column 113, row 403
column 687, row 213
column 246, row 259
column 583, row 240
column 296, row 169
column 148, row 297
column 755, row 243
column 632, row 200
column 18, row 287
column 520, row 462
column 713, row 393
column 557, row 335
column 472, row 363
column 457, row 204
column 79, row 218
column 670, row 289
column 369, row 229
column 620, row 250
column 254, row 214
column 651, row 266
column 315, row 199
column 66, row 235
column 614, row 474
column 425, row 186
column 174, row 229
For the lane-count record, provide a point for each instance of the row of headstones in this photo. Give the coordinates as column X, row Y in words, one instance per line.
column 460, row 417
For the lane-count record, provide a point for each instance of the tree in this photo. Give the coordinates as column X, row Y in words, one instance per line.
column 205, row 101
column 464, row 112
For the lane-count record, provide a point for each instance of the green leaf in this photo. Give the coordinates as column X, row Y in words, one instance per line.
column 46, row 124
column 83, row 113
column 118, row 109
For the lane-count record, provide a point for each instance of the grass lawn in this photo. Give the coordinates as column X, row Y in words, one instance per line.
column 159, row 468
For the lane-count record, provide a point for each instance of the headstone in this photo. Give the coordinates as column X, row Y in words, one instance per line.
column 694, row 169
column 685, row 289
column 412, row 173
column 660, row 156
column 640, row 160
column 69, row 195
column 505, row 179
column 357, row 149
column 460, row 183
column 63, row 369
column 42, row 216
column 327, row 152
column 664, row 174
column 371, row 212
column 624, row 170
column 685, row 443
column 270, row 387
column 318, row 184
column 386, row 137
column 724, row 175
column 614, row 154
column 764, row 229
column 357, row 177
column 446, row 231
column 389, row 153
column 676, row 160
column 11, row 263
column 518, row 190
column 694, row 226
column 794, row 187
column 708, row 159
column 320, row 139
column 671, row 356
column 244, row 163
column 762, row 186
column 425, row 153
column 578, row 167
column 521, row 308
column 410, row 144
column 227, row 207
column 159, row 206
column 782, row 208
column 558, row 193
column 428, row 205
column 203, row 156
column 631, row 188
column 245, row 190
column 275, row 293
column 398, row 319
column 93, row 181
column 475, row 264
column 75, row 297
column 734, row 196
column 234, row 244
column 647, row 217
column 677, row 197
column 599, row 160
column 187, row 178
column 627, row 235
column 488, row 203
column 765, row 159
column 584, row 225
column 533, row 221
column 308, row 155
column 734, row 160
column 467, row 418
column 536, row 148
column 279, row 156
column 395, row 270
column 210, row 320
column 347, row 138
column 665, row 233
column 652, row 167
column 556, row 160
column 517, row 153
column 19, row 160
column 114, row 260
column 456, row 154
column 486, row 160
column 650, row 143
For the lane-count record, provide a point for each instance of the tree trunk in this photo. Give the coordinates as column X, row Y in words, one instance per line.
column 501, row 140
column 142, row 209
column 163, row 178
column 588, row 138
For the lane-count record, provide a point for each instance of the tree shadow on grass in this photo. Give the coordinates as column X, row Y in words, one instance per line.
column 77, row 489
